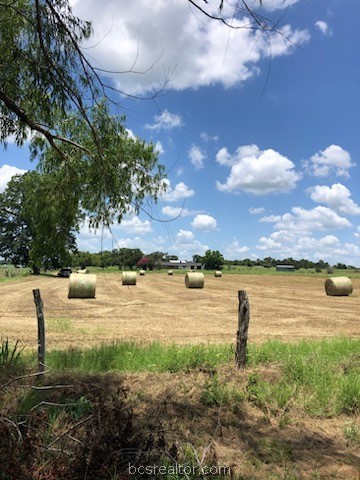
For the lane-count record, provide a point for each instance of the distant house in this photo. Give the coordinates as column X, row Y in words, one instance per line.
column 285, row 268
column 182, row 265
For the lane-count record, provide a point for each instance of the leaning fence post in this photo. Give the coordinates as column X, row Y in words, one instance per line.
column 41, row 331
column 242, row 332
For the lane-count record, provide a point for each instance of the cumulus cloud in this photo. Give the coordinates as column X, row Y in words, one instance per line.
column 323, row 27
column 336, row 197
column 6, row 172
column 257, row 172
column 326, row 248
column 159, row 147
column 134, row 225
column 179, row 192
column 186, row 51
column 175, row 212
column 333, row 160
column 268, row 244
column 271, row 218
column 317, row 219
column 165, row 121
column 256, row 210
column 204, row 222
column 235, row 251
column 206, row 138
column 197, row 157
column 186, row 245
column 357, row 233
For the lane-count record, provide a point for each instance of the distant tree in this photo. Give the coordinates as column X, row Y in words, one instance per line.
column 155, row 259
column 38, row 227
column 340, row 266
column 128, row 257
column 269, row 262
column 213, row 260
column 198, row 259
column 167, row 257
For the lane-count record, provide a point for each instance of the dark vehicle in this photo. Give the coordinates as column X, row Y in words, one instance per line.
column 65, row 272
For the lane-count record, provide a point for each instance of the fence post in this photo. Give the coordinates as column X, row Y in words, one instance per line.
column 242, row 332
column 41, row 331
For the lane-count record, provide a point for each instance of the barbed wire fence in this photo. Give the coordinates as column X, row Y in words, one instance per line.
column 239, row 335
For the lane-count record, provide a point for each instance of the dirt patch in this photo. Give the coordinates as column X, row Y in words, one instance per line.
column 161, row 308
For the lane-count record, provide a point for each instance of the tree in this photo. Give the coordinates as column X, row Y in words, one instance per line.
column 128, row 257
column 48, row 87
column 38, row 228
column 213, row 260
column 15, row 232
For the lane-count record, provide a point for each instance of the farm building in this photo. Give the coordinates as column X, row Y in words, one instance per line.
column 182, row 265
column 285, row 268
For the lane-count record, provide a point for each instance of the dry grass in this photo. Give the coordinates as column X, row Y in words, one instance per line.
column 161, row 308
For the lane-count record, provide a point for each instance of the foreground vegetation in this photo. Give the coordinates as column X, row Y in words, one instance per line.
column 101, row 409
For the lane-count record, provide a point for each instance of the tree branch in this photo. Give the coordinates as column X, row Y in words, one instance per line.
column 24, row 117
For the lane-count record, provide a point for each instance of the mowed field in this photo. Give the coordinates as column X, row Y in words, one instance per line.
column 161, row 308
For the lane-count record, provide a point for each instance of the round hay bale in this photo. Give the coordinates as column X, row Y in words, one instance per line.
column 194, row 280
column 129, row 278
column 84, row 270
column 141, row 272
column 338, row 286
column 170, row 272
column 217, row 273
column 82, row 285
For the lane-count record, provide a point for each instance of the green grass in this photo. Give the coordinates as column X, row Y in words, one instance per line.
column 135, row 357
column 11, row 273
column 319, row 377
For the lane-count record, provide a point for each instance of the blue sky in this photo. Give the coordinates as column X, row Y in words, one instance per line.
column 259, row 134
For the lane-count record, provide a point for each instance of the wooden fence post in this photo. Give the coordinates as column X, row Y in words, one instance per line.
column 243, row 326
column 41, row 331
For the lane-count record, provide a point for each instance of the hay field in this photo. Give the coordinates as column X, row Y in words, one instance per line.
column 160, row 308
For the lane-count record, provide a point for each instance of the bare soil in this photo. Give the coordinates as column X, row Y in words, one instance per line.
column 160, row 307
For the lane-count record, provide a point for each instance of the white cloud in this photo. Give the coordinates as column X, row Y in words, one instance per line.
column 204, row 222
column 6, row 172
column 323, row 27
column 197, row 157
column 332, row 160
column 223, row 157
column 235, row 251
column 186, row 245
column 357, row 233
column 326, row 248
column 206, row 138
column 336, row 197
column 257, row 172
column 317, row 219
column 165, row 121
column 268, row 244
column 271, row 218
column 167, row 40
column 159, row 147
column 179, row 192
column 175, row 212
column 256, row 210
column 135, row 225
column 185, row 237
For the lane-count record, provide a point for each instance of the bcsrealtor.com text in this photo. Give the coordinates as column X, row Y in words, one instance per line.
column 178, row 469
